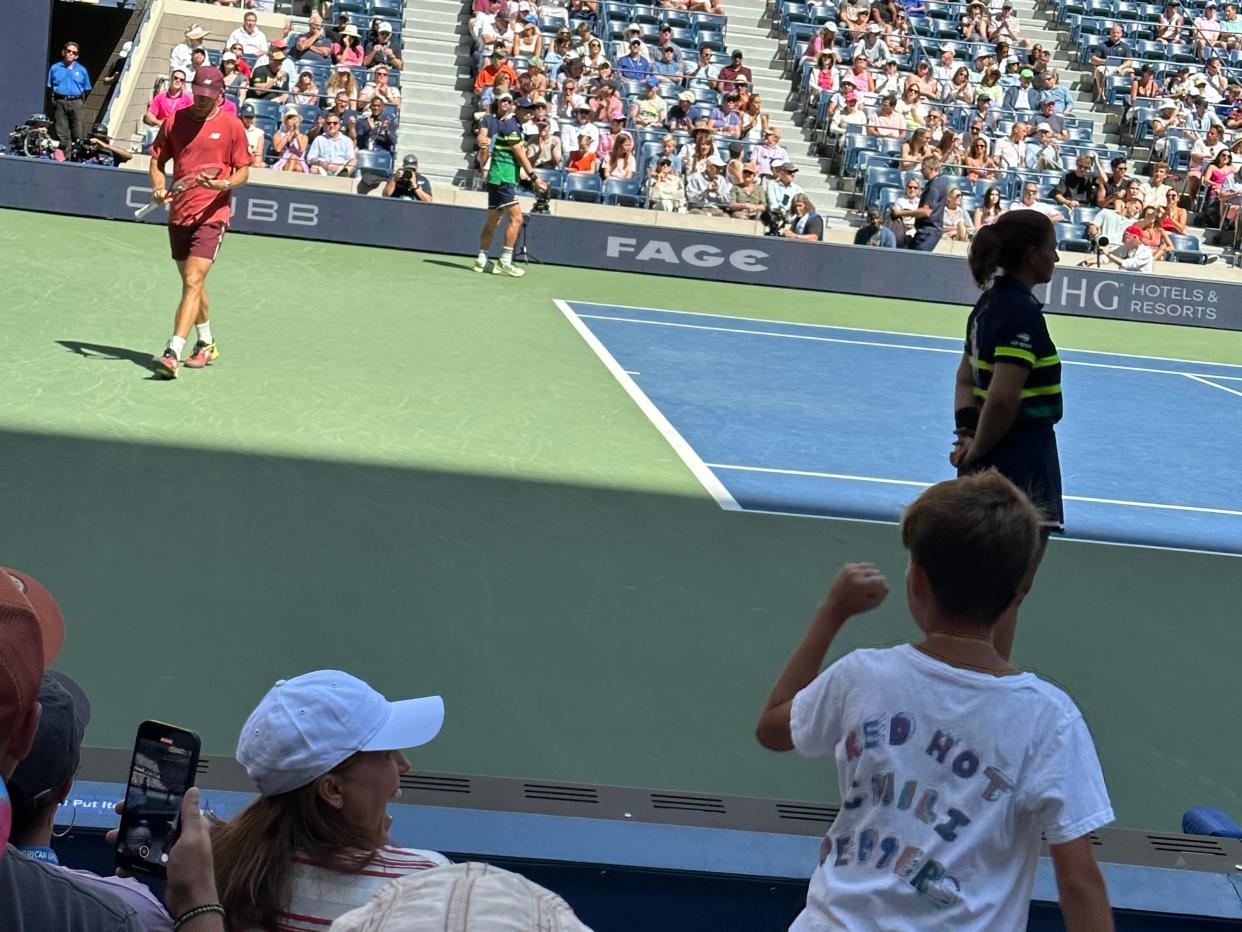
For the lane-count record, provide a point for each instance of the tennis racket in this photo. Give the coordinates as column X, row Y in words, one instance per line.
column 179, row 187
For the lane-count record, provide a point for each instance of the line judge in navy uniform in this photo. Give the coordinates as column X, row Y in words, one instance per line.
column 70, row 84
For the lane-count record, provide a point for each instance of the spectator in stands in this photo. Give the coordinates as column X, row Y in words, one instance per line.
column 527, row 42
column 38, row 896
column 754, row 120
column 958, row 90
column 376, row 129
column 234, row 81
column 1011, row 151
column 622, row 163
column 243, row 66
column 290, row 144
column 725, row 120
column 914, row 149
column 535, row 78
column 380, row 88
column 1177, row 85
column 1214, row 181
column 873, row 232
column 1078, row 188
column 685, row 114
column 886, row 122
column 1030, row 201
column 957, row 223
column 666, row 68
column 314, row 44
column 382, row 51
column 976, row 163
column 770, row 153
column 1047, row 116
column 341, row 81
column 924, row 221
column 256, row 139
column 943, row 70
column 249, row 35
column 986, row 115
column 1174, row 218
column 1170, row 25
column 333, row 152
column 306, row 91
column 285, row 64
column 779, row 193
column 1045, row 154
column 1231, row 27
column 649, row 109
column 198, row 58
column 850, row 116
column 167, row 102
column 889, row 80
column 972, row 543
column 666, row 191
column 580, row 125
column 69, row 84
column 1058, row 93
column 322, row 750
column 341, row 108
column 664, row 43
column 707, row 190
column 501, row 85
column 1205, row 149
column 1023, row 98
column 1145, row 86
column 179, row 60
column 991, row 90
column 747, row 198
column 1131, row 256
column 975, row 23
column 732, row 71
column 348, row 49
column 594, row 60
column 704, row 73
column 669, row 151
column 1206, row 30
column 582, row 159
column 922, row 79
column 804, row 223
column 1111, row 222
column 545, row 150
column 872, row 45
column 1202, row 118
column 270, row 81
column 1111, row 57
column 43, row 781
column 694, row 154
column 854, row 15
column 625, row 45
column 1154, row 191
column 407, row 183
column 990, row 210
column 635, row 66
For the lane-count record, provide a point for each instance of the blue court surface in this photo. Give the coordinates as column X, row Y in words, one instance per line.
column 844, row 423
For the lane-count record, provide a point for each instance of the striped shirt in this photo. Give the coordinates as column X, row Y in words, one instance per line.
column 320, row 894
column 1007, row 325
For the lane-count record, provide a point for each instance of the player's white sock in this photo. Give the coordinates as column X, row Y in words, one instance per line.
column 482, row 257
column 506, row 256
column 204, row 332
column 177, row 344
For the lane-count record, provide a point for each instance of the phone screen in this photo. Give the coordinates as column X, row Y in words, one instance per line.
column 164, row 765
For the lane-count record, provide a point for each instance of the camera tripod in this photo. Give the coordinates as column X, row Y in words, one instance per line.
column 521, row 252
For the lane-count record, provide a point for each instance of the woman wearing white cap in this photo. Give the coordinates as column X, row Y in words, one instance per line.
column 290, row 144
column 349, row 50
column 323, row 750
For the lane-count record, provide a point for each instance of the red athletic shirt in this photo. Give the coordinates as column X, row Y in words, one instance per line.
column 217, row 145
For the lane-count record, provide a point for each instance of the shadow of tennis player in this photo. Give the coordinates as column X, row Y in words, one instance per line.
column 109, row 353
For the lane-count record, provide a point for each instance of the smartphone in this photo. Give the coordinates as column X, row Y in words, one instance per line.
column 163, row 767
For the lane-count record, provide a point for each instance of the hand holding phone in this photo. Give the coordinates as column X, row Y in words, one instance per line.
column 163, row 768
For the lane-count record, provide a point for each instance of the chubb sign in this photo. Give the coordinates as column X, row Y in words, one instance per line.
column 254, row 209
column 699, row 255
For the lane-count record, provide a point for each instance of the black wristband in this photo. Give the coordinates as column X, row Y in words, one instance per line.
column 966, row 418
column 197, row 911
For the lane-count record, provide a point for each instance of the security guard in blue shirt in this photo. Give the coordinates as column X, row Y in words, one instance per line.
column 70, row 84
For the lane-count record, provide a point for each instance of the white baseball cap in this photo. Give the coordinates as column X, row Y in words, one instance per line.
column 306, row 726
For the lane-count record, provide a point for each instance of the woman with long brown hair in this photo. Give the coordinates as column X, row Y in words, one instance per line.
column 1007, row 395
column 322, row 749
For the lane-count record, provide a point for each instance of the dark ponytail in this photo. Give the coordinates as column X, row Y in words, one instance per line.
column 1003, row 245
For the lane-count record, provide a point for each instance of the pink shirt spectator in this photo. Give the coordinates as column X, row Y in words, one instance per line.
column 352, row 56
column 162, row 106
column 768, row 156
column 892, row 126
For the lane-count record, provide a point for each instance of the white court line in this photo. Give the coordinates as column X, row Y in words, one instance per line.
column 905, row 346
column 898, row 333
column 693, row 462
column 1070, row 498
column 1223, row 388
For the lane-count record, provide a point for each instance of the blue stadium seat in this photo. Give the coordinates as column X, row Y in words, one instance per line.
column 678, row 19
column 359, row 8
column 264, row 108
column 684, row 38
column 555, row 180
column 389, row 9
column 1186, row 249
column 877, row 177
column 373, row 163
column 624, row 192
column 1072, row 237
column 552, row 20
column 582, row 186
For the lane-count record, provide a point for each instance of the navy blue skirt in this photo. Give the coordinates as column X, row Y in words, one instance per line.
column 1027, row 457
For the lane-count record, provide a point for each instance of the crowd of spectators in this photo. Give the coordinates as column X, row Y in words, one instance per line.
column 885, row 78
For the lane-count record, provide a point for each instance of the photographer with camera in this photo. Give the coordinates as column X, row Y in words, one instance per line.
column 780, row 192
column 97, row 149
column 32, row 140
column 406, row 182
column 69, row 84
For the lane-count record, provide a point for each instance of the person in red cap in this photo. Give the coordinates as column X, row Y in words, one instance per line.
column 211, row 158
column 1132, row 256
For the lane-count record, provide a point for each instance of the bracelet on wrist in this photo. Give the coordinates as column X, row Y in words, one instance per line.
column 195, row 912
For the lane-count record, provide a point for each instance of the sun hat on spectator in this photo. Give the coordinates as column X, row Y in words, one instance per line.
column 788, row 167
column 291, row 111
column 632, row 27
column 208, row 82
column 535, row 64
column 949, row 47
column 57, row 750
column 687, row 96
column 1200, row 81
column 196, row 32
column 1167, row 103
column 1043, row 128
column 469, row 897
column 351, row 30
column 383, row 28
column 304, row 727
column 580, row 103
column 845, row 81
column 32, row 632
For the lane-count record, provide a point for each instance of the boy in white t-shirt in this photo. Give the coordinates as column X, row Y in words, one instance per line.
column 950, row 761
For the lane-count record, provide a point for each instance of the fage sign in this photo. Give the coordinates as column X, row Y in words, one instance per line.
column 699, row 255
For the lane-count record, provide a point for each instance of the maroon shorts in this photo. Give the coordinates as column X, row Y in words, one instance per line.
column 201, row 240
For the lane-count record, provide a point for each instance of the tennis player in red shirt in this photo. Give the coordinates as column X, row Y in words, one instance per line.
column 211, row 158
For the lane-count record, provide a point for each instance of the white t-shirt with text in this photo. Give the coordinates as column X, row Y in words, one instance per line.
column 947, row 778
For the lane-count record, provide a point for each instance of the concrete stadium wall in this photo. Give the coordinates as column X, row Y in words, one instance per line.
column 305, row 213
